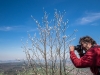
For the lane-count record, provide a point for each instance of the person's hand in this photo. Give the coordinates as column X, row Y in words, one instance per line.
column 71, row 48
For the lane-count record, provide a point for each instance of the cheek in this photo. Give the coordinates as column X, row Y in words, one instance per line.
column 84, row 45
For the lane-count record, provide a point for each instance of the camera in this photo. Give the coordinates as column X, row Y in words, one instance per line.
column 78, row 48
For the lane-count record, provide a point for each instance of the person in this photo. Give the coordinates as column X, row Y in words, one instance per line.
column 88, row 55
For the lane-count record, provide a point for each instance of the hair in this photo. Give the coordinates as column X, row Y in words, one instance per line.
column 87, row 39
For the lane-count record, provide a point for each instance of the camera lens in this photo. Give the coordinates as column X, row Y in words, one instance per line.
column 78, row 47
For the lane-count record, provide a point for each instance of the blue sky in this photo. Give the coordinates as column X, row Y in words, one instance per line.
column 15, row 21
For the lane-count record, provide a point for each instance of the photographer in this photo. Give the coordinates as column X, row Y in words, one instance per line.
column 89, row 58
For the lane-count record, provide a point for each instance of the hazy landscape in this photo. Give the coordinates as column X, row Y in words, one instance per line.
column 20, row 68
column 10, row 68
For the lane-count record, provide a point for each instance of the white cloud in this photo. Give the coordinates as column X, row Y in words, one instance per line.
column 94, row 24
column 89, row 18
column 6, row 28
column 18, row 28
column 32, row 30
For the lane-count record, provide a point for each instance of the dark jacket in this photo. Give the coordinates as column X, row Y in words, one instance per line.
column 90, row 59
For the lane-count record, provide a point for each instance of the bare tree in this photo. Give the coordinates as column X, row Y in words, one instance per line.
column 48, row 54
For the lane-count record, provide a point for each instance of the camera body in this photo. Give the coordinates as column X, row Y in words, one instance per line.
column 78, row 48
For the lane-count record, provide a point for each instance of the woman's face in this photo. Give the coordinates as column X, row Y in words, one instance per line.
column 86, row 45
